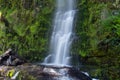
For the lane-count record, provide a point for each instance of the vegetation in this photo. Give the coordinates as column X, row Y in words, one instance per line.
column 98, row 32
column 29, row 24
column 25, row 26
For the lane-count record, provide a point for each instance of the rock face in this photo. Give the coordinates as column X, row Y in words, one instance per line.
column 46, row 72
column 10, row 58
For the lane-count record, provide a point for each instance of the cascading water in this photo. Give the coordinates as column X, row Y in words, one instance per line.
column 62, row 32
column 61, row 40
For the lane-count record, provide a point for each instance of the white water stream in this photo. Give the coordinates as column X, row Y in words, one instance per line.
column 62, row 32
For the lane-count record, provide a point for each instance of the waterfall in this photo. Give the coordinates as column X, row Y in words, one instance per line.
column 62, row 31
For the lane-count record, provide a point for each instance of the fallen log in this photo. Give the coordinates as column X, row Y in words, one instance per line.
column 10, row 58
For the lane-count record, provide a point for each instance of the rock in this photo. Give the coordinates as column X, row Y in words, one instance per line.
column 80, row 75
column 60, row 72
column 10, row 58
column 51, row 72
column 30, row 71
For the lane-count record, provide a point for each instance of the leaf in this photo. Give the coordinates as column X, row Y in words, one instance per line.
column 82, row 53
column 34, row 28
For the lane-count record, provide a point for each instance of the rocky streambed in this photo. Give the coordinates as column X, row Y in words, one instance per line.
column 40, row 72
column 14, row 67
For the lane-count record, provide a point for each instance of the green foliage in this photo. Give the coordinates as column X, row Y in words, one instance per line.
column 82, row 53
column 111, row 32
column 112, row 25
column 98, row 36
column 88, row 26
column 94, row 25
column 30, row 21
